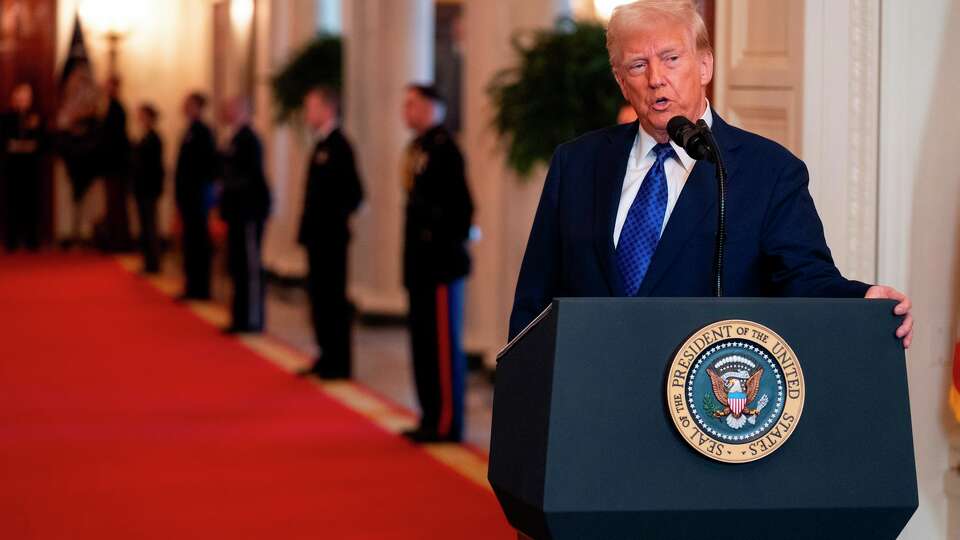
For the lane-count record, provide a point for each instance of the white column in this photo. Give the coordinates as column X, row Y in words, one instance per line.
column 505, row 203
column 291, row 25
column 389, row 43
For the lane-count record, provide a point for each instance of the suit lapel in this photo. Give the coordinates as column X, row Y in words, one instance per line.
column 608, row 177
column 697, row 201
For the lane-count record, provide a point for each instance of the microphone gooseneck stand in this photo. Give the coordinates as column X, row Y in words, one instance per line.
column 718, row 258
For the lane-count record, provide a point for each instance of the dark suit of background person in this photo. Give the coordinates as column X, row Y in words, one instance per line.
column 148, row 173
column 333, row 192
column 439, row 215
column 196, row 169
column 775, row 240
column 244, row 206
column 21, row 146
column 114, row 157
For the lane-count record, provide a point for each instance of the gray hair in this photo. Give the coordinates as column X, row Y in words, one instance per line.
column 648, row 12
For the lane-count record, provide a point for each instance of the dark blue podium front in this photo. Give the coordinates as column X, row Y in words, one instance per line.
column 583, row 446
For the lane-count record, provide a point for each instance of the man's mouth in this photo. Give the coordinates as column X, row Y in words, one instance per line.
column 661, row 104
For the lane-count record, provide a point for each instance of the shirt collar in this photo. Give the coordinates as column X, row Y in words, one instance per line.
column 326, row 129
column 646, row 142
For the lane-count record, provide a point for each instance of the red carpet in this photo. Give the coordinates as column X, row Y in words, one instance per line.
column 122, row 415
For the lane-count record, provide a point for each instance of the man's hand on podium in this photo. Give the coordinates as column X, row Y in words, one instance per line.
column 905, row 332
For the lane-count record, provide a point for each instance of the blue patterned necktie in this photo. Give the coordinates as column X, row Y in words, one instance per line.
column 641, row 230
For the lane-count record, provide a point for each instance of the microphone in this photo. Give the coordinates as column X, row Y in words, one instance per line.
column 698, row 141
column 695, row 139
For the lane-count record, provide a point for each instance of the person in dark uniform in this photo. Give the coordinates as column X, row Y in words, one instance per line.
column 21, row 144
column 115, row 168
column 147, row 171
column 244, row 205
column 439, row 215
column 333, row 193
column 21, row 140
column 196, row 169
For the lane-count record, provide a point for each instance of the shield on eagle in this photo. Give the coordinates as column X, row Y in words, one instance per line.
column 737, row 400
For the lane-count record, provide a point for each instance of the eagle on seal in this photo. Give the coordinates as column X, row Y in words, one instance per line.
column 734, row 394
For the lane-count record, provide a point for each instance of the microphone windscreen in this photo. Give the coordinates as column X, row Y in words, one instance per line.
column 676, row 127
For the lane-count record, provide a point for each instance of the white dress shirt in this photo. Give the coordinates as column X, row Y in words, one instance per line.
column 641, row 160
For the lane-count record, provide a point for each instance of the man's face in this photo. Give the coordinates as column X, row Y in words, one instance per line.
column 316, row 111
column 190, row 109
column 22, row 98
column 662, row 75
column 417, row 111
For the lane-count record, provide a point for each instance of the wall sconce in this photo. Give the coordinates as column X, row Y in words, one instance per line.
column 241, row 13
column 113, row 20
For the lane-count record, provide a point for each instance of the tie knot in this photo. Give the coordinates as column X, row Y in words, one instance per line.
column 663, row 151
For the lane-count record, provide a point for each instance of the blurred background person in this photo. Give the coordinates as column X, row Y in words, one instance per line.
column 439, row 214
column 78, row 138
column 196, row 169
column 147, row 174
column 21, row 141
column 626, row 114
column 114, row 161
column 244, row 205
column 333, row 192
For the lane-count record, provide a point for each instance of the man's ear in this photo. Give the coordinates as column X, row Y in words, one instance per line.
column 623, row 90
column 706, row 68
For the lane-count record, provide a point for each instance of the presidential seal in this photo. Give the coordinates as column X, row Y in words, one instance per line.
column 735, row 391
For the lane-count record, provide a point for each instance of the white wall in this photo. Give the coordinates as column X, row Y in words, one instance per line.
column 919, row 222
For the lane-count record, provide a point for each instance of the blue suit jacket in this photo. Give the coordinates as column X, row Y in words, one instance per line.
column 775, row 244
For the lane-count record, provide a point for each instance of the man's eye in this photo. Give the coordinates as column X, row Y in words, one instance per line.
column 673, row 58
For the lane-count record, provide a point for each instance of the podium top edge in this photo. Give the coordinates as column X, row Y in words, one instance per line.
column 506, row 348
column 684, row 300
column 712, row 299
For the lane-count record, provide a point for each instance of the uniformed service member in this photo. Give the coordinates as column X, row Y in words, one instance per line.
column 196, row 169
column 148, row 173
column 114, row 163
column 21, row 139
column 244, row 206
column 439, row 214
column 333, row 192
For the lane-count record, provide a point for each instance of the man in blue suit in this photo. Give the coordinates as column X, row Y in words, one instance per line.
column 626, row 212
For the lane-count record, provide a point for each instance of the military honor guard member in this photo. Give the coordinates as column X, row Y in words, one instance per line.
column 627, row 212
column 114, row 162
column 439, row 214
column 333, row 192
column 148, row 173
column 196, row 170
column 21, row 144
column 244, row 206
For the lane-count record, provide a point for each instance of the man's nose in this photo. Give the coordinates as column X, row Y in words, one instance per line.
column 655, row 75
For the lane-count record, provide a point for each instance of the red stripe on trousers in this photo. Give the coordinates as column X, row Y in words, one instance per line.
column 443, row 358
column 956, row 367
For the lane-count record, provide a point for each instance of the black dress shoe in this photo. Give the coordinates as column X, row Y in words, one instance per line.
column 307, row 371
column 426, row 436
column 192, row 298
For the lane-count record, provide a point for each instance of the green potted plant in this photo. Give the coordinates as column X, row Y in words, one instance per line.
column 319, row 62
column 561, row 87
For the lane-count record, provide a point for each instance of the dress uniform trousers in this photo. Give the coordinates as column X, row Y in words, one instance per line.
column 197, row 252
column 22, row 204
column 329, row 308
column 439, row 363
column 246, row 272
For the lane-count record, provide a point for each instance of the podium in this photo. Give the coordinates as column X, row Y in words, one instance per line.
column 584, row 445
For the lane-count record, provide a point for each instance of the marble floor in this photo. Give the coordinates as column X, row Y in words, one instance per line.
column 381, row 353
